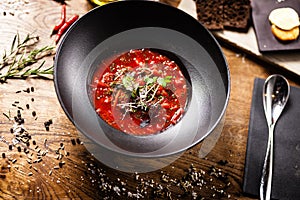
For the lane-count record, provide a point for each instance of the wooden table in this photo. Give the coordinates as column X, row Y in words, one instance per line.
column 56, row 165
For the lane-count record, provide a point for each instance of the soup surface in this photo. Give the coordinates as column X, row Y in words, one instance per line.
column 141, row 92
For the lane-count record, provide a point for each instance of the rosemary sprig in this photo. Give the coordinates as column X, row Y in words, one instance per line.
column 17, row 47
column 23, row 54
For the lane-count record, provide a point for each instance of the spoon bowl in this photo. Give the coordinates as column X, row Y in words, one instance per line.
column 276, row 93
column 275, row 96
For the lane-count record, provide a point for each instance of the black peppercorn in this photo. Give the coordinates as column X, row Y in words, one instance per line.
column 22, row 130
column 78, row 141
column 27, row 90
column 73, row 141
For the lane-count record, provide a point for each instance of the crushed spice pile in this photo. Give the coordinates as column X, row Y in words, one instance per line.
column 23, row 141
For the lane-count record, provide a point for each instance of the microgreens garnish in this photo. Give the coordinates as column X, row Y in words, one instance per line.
column 128, row 82
column 164, row 81
column 145, row 95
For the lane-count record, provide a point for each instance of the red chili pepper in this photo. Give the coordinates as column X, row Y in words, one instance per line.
column 66, row 25
column 62, row 20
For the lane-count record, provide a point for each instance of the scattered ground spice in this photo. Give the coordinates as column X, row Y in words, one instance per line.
column 21, row 137
column 195, row 183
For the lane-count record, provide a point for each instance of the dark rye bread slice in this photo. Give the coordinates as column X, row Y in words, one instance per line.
column 236, row 14
column 224, row 14
column 210, row 13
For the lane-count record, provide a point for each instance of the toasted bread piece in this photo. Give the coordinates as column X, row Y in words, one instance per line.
column 285, row 35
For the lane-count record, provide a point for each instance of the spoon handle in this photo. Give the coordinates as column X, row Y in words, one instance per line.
column 266, row 178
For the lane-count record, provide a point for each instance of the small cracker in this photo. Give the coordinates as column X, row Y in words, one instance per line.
column 285, row 35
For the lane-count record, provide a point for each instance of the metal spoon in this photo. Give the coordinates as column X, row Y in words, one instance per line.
column 276, row 92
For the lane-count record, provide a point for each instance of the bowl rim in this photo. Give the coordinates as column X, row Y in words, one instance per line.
column 218, row 47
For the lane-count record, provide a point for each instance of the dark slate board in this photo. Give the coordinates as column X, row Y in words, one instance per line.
column 260, row 14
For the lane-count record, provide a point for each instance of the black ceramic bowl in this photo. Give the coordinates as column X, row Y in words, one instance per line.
column 110, row 30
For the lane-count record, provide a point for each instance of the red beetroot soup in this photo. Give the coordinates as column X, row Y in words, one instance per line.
column 141, row 92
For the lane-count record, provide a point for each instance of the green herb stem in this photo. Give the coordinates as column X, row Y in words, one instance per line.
column 19, row 62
